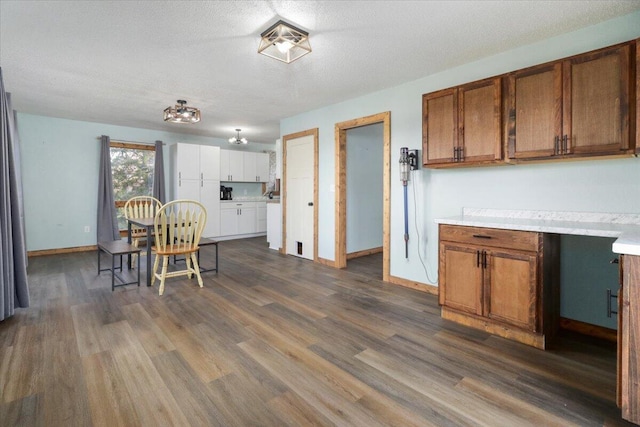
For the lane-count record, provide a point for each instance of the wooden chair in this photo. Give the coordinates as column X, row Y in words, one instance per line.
column 140, row 207
column 181, row 223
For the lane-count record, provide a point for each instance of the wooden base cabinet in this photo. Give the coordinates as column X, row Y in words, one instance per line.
column 500, row 281
column 629, row 340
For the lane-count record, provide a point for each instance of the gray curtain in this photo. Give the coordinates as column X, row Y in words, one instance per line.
column 13, row 249
column 158, row 175
column 107, row 228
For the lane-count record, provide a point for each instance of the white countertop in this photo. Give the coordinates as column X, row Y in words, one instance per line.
column 245, row 199
column 626, row 227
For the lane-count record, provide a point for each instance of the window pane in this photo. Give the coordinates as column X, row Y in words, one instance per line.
column 132, row 171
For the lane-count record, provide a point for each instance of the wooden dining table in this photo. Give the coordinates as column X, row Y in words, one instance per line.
column 147, row 224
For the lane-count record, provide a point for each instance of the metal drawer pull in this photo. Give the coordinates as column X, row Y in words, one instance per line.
column 480, row 236
column 609, row 310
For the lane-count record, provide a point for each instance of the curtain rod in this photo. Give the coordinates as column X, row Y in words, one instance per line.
column 129, row 142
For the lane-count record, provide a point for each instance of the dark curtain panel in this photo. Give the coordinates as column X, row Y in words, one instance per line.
column 107, row 228
column 158, row 175
column 13, row 249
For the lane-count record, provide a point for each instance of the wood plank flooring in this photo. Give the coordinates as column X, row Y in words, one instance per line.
column 273, row 340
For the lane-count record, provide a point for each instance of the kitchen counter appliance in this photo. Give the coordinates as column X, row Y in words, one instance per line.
column 225, row 193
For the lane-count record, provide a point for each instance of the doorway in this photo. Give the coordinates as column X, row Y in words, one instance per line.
column 341, row 187
column 300, row 194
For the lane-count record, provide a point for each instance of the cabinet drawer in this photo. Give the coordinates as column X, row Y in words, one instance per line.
column 481, row 236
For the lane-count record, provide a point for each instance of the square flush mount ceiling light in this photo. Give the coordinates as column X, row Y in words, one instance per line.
column 284, row 42
column 181, row 113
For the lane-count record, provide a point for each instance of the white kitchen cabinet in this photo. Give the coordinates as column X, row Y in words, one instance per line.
column 274, row 225
column 261, row 217
column 238, row 218
column 250, row 167
column 241, row 166
column 262, row 167
column 196, row 173
column 231, row 165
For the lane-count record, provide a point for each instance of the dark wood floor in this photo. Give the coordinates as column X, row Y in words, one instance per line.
column 273, row 341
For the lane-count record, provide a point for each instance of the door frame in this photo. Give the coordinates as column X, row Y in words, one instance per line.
column 283, row 195
column 341, row 188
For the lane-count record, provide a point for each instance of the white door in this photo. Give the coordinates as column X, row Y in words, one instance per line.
column 299, row 187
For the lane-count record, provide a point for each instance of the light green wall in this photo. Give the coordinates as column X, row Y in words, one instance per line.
column 60, row 160
column 586, row 272
column 364, row 187
column 596, row 186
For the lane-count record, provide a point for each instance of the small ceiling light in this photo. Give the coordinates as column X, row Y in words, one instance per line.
column 284, row 42
column 237, row 140
column 181, row 113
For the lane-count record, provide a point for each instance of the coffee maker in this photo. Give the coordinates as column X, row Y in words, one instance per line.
column 225, row 193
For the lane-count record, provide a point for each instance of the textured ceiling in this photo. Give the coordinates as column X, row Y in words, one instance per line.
column 123, row 62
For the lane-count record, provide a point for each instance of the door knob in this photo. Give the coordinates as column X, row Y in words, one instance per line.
column 310, row 204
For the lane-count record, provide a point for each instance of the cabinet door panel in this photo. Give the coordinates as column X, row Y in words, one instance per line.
column 188, row 161
column 479, row 120
column 210, row 198
column 535, row 107
column 247, row 221
column 210, row 162
column 439, row 132
column 249, row 167
column 188, row 189
column 236, row 165
column 461, row 282
column 511, row 294
column 228, row 221
column 596, row 108
column 262, row 167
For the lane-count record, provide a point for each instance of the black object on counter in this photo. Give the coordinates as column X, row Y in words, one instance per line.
column 225, row 193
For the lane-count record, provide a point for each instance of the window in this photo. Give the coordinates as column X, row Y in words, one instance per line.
column 132, row 170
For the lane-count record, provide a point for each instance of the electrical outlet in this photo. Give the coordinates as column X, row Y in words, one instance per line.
column 87, row 229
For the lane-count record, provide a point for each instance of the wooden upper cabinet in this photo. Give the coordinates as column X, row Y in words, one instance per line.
column 479, row 122
column 535, row 112
column 596, row 88
column 462, row 125
column 440, row 126
column 576, row 107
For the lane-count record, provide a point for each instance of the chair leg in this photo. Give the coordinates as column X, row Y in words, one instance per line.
column 155, row 269
column 196, row 268
column 135, row 243
column 187, row 260
column 165, row 264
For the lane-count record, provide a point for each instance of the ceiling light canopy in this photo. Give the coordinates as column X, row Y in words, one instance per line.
column 284, row 42
column 181, row 113
column 237, row 140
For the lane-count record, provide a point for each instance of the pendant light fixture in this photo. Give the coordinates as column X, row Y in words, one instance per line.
column 181, row 113
column 237, row 140
column 284, row 42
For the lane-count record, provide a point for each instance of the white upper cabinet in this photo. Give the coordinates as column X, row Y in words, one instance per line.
column 244, row 166
column 262, row 167
column 197, row 162
column 250, row 167
column 209, row 163
column 231, row 165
